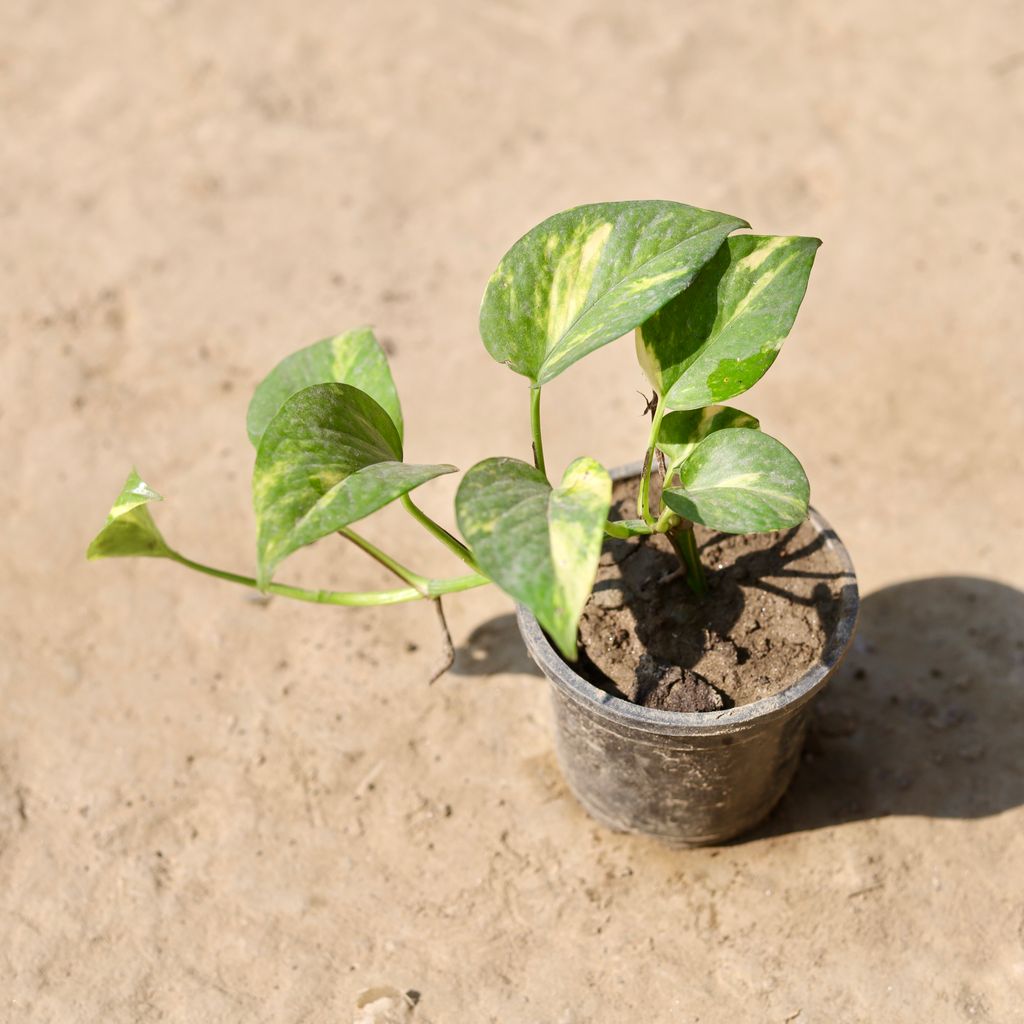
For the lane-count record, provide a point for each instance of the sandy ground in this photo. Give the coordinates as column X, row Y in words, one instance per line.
column 213, row 810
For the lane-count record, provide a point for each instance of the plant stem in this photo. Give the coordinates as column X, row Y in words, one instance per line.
column 414, row 579
column 453, row 544
column 668, row 520
column 685, row 544
column 433, row 588
column 643, row 498
column 538, row 441
column 455, row 584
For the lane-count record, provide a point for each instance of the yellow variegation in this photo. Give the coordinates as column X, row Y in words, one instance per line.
column 718, row 337
column 710, row 312
column 355, row 357
column 539, row 544
column 587, row 276
column 741, row 481
column 681, row 432
column 130, row 529
column 329, row 458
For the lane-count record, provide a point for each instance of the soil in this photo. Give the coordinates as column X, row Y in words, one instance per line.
column 225, row 810
column 771, row 605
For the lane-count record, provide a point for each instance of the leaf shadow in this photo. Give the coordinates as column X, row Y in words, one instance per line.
column 494, row 646
column 670, row 624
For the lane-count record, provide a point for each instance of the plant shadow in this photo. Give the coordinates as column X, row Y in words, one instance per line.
column 925, row 717
column 671, row 625
column 494, row 646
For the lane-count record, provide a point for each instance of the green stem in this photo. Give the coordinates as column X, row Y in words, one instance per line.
column 668, row 520
column 455, row 584
column 685, row 544
column 538, row 441
column 434, row 588
column 453, row 544
column 643, row 498
column 414, row 579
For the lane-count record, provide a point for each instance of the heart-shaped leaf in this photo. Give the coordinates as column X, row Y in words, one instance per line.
column 741, row 481
column 587, row 276
column 355, row 358
column 681, row 432
column 130, row 529
column 718, row 338
column 330, row 457
column 540, row 545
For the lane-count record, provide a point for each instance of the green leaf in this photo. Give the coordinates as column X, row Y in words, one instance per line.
column 741, row 481
column 540, row 545
column 623, row 528
column 718, row 338
column 355, row 358
column 587, row 276
column 330, row 457
column 130, row 529
column 681, row 432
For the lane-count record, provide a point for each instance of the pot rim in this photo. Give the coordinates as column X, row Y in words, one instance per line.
column 703, row 723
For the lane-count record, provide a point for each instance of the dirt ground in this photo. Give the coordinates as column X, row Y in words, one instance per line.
column 217, row 810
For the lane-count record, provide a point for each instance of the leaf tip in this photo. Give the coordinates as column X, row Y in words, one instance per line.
column 265, row 568
column 566, row 645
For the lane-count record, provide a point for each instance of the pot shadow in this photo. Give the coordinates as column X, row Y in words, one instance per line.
column 925, row 717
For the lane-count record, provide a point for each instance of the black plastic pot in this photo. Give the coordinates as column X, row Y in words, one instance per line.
column 689, row 779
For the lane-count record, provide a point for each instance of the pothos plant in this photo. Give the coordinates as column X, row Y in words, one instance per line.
column 710, row 310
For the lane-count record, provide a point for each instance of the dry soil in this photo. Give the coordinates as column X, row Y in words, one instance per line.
column 214, row 809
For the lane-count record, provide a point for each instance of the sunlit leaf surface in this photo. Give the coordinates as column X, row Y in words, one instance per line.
column 330, row 457
column 355, row 358
column 539, row 544
column 741, row 481
column 587, row 276
column 716, row 339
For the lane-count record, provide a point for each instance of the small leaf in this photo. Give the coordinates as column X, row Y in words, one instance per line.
column 330, row 457
column 741, row 481
column 355, row 358
column 681, row 432
column 623, row 528
column 587, row 276
column 130, row 529
column 718, row 338
column 540, row 545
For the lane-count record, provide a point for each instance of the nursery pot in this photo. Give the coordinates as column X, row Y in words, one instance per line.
column 686, row 778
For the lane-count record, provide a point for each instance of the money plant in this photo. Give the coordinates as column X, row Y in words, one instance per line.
column 710, row 308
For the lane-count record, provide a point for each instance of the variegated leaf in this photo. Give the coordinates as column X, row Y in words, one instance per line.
column 741, row 481
column 681, row 432
column 355, row 358
column 540, row 545
column 330, row 457
column 587, row 276
column 718, row 337
column 130, row 529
